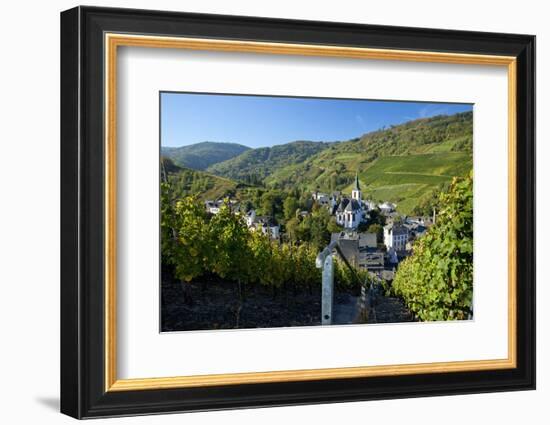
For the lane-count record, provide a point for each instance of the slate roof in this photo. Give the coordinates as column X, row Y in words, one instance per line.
column 353, row 205
column 350, row 250
column 367, row 239
column 343, row 204
column 266, row 221
column 372, row 259
column 398, row 229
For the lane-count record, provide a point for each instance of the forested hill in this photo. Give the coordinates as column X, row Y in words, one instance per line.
column 401, row 164
column 185, row 181
column 202, row 155
column 405, row 164
column 333, row 167
column 253, row 166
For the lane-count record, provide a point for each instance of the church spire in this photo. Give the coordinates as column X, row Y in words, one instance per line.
column 356, row 191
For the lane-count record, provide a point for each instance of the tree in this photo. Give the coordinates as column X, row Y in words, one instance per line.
column 430, row 201
column 436, row 282
column 290, row 205
column 376, row 217
column 332, row 226
column 292, row 229
column 270, row 203
column 319, row 234
column 378, row 230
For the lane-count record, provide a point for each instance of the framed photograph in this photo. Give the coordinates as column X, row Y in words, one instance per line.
column 261, row 212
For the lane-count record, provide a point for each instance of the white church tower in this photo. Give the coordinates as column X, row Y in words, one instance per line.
column 356, row 191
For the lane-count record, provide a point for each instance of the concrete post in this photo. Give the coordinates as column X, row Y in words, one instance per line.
column 327, row 291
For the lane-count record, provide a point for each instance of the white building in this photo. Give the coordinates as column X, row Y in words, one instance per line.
column 250, row 218
column 321, row 198
column 268, row 227
column 213, row 207
column 386, row 207
column 369, row 205
column 396, row 237
column 350, row 211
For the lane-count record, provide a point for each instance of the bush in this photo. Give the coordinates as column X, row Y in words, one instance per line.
column 436, row 282
column 196, row 245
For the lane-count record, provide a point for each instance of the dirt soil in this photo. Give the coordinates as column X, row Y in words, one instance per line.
column 218, row 306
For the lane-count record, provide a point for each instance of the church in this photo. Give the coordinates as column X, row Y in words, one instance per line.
column 350, row 211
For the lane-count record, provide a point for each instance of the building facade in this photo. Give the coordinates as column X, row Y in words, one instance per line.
column 396, row 237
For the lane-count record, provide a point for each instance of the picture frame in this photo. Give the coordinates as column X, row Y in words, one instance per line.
column 90, row 40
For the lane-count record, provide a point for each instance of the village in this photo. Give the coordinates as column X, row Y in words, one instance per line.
column 378, row 253
column 286, row 230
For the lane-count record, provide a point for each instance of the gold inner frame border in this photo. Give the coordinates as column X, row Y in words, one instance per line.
column 112, row 41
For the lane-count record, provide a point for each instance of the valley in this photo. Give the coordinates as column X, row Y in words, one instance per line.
column 404, row 164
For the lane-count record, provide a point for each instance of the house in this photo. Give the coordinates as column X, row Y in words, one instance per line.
column 360, row 249
column 250, row 218
column 386, row 207
column 367, row 240
column 369, row 205
column 417, row 225
column 418, row 220
column 261, row 223
column 391, row 255
column 364, row 239
column 396, row 236
column 268, row 226
column 321, row 198
column 371, row 259
column 350, row 249
column 264, row 224
column 213, row 207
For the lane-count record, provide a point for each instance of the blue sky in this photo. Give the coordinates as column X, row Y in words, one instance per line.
column 256, row 121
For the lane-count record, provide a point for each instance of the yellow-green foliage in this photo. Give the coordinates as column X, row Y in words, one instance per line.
column 184, row 243
column 436, row 282
column 344, row 278
column 222, row 245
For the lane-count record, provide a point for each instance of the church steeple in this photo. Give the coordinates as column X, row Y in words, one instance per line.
column 356, row 191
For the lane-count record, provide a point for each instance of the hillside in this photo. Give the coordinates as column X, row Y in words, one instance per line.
column 202, row 155
column 254, row 165
column 408, row 180
column 402, row 164
column 185, row 181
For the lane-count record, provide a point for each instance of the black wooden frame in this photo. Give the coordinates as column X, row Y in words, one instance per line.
column 82, row 212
